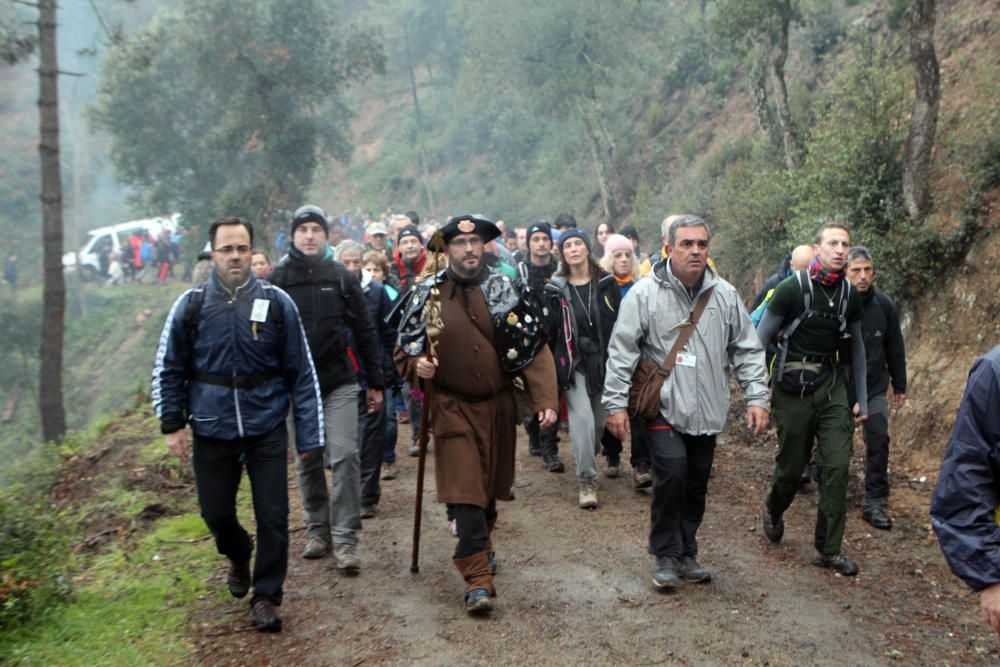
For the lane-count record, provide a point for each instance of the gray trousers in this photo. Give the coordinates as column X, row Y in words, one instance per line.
column 338, row 512
column 586, row 424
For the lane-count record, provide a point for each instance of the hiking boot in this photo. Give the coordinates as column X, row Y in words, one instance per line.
column 388, row 471
column 346, row 558
column 839, row 563
column 478, row 601
column 774, row 526
column 877, row 517
column 264, row 616
column 403, row 417
column 588, row 495
column 614, row 468
column 238, row 578
column 641, row 477
column 665, row 574
column 316, row 547
column 535, row 450
column 368, row 511
column 553, row 463
column 691, row 570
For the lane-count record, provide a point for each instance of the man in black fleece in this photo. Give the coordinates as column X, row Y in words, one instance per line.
column 331, row 304
column 885, row 355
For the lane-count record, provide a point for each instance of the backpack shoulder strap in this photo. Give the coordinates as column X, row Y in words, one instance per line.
column 192, row 312
column 805, row 289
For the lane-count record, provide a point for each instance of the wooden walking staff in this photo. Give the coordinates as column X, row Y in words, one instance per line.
column 431, row 316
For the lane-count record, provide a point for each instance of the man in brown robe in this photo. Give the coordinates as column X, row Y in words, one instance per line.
column 472, row 402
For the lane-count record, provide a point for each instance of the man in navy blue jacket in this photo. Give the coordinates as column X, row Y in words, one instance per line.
column 964, row 508
column 231, row 355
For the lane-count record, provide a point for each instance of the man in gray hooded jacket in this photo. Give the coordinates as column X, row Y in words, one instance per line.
column 694, row 399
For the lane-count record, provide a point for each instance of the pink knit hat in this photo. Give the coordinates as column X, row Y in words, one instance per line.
column 616, row 242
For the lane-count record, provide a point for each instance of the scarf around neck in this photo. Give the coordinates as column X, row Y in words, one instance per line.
column 823, row 277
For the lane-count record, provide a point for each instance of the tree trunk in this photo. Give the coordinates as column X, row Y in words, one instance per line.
column 50, row 386
column 920, row 17
column 425, row 167
column 608, row 202
column 789, row 134
column 757, row 80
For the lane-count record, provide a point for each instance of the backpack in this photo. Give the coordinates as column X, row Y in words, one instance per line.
column 758, row 313
column 806, row 291
column 192, row 310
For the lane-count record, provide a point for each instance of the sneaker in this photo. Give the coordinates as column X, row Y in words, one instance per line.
column 478, row 601
column 404, row 417
column 665, row 574
column 316, row 547
column 414, row 450
column 238, row 578
column 877, row 517
column 534, row 450
column 839, row 563
column 553, row 463
column 641, row 477
column 388, row 471
column 691, row 570
column 774, row 526
column 588, row 495
column 614, row 468
column 368, row 511
column 346, row 558
column 264, row 616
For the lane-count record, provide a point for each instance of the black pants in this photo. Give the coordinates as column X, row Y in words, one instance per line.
column 681, row 465
column 217, row 472
column 371, row 443
column 544, row 439
column 639, row 455
column 876, row 433
column 473, row 530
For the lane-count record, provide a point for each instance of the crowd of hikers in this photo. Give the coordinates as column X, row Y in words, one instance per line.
column 338, row 336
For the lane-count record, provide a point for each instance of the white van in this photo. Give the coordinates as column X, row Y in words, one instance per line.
column 87, row 260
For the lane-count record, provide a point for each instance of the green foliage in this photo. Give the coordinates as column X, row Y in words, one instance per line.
column 823, row 27
column 853, row 168
column 33, row 548
column 894, row 13
column 751, row 205
column 133, row 605
column 108, row 355
column 225, row 107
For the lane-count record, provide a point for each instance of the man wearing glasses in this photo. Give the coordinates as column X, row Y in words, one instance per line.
column 232, row 354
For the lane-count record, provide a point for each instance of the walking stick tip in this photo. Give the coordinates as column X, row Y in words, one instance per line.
column 414, row 569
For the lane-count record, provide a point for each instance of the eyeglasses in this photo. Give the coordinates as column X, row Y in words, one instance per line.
column 230, row 249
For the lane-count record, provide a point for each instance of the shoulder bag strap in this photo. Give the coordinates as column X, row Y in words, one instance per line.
column 686, row 330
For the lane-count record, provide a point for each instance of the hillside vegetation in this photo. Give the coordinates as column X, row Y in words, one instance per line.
column 111, row 336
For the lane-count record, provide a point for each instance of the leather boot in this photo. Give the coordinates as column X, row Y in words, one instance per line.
column 479, row 590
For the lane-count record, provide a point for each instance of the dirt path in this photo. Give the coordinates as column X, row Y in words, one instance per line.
column 575, row 586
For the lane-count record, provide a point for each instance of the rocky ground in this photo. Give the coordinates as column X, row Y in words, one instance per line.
column 575, row 586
